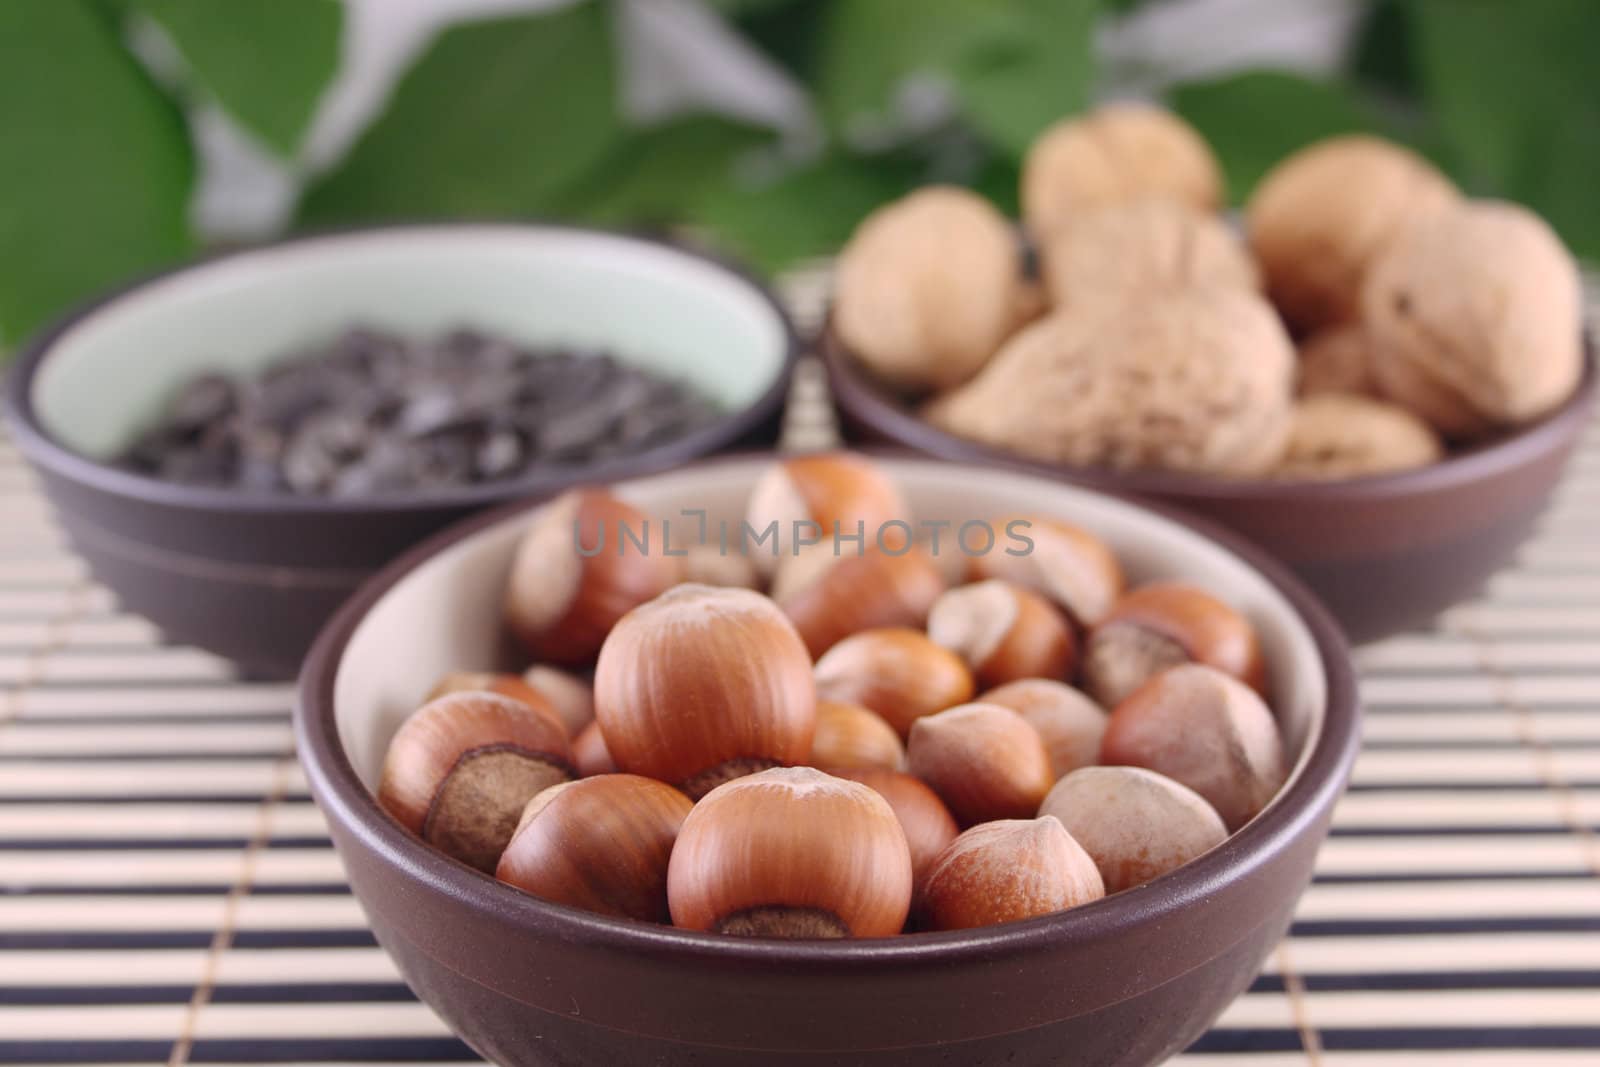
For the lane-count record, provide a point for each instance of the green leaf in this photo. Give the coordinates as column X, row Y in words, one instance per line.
column 657, row 174
column 1384, row 52
column 1015, row 66
column 266, row 61
column 870, row 47
column 790, row 33
column 1034, row 67
column 738, row 9
column 1255, row 119
column 1512, row 86
column 95, row 162
column 498, row 118
column 809, row 212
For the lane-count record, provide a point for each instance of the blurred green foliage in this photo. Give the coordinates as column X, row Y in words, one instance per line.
column 521, row 116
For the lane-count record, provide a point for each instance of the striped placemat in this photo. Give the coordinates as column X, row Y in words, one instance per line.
column 168, row 893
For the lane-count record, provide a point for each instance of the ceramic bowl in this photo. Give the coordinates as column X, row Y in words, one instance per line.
column 1385, row 553
column 1131, row 979
column 252, row 575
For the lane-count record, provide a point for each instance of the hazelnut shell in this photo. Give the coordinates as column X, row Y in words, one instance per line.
column 461, row 768
column 1206, row 730
column 1069, row 723
column 927, row 823
column 983, row 760
column 791, row 852
column 1004, row 632
column 601, row 844
column 1162, row 625
column 897, row 672
column 1136, row 824
column 561, row 603
column 703, row 683
column 849, row 735
column 1004, row 871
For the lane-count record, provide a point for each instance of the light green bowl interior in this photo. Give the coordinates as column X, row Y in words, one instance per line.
column 109, row 375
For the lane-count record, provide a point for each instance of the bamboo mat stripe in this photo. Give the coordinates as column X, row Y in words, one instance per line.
column 168, row 893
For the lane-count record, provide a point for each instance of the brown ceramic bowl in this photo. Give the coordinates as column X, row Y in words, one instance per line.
column 253, row 575
column 1386, row 553
column 1130, row 979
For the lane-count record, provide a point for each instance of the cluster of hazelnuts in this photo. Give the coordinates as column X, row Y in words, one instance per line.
column 1367, row 316
column 879, row 745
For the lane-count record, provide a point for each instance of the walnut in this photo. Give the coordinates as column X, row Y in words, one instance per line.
column 1112, row 155
column 1336, row 360
column 1138, row 248
column 928, row 288
column 1475, row 319
column 1336, row 435
column 1191, row 380
column 1319, row 218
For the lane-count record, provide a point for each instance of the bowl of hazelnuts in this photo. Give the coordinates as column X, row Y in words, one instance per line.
column 829, row 759
column 1372, row 376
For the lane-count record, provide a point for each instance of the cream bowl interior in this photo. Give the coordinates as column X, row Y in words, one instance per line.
column 667, row 310
column 445, row 614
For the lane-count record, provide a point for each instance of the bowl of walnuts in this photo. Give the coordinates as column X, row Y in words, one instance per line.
column 1372, row 376
column 829, row 758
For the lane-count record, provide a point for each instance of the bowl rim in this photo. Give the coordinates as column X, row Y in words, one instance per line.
column 42, row 447
column 1308, row 799
column 865, row 401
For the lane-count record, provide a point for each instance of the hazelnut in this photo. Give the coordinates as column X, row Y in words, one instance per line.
column 832, row 491
column 589, row 752
column 831, row 597
column 1336, row 360
column 461, row 768
column 928, row 287
column 898, row 673
column 571, row 697
column 1115, row 154
column 1341, row 436
column 710, row 565
column 927, row 823
column 1004, row 632
column 1205, row 729
column 507, row 685
column 791, row 853
column 561, row 603
column 983, row 760
column 701, row 685
column 1136, row 824
column 1069, row 723
column 849, row 735
column 1474, row 316
column 1197, row 380
column 1004, row 871
column 1319, row 219
column 1162, row 625
column 1069, row 565
column 1128, row 251
column 600, row 844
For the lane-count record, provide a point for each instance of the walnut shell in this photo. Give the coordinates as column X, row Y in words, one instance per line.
column 1319, row 219
column 1337, row 435
column 1196, row 380
column 1143, row 247
column 1336, row 360
column 1115, row 154
column 1475, row 319
column 928, row 288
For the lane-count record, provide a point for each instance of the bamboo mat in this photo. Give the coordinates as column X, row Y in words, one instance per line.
column 168, row 893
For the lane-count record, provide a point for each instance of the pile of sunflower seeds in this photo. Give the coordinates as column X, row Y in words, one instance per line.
column 376, row 413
